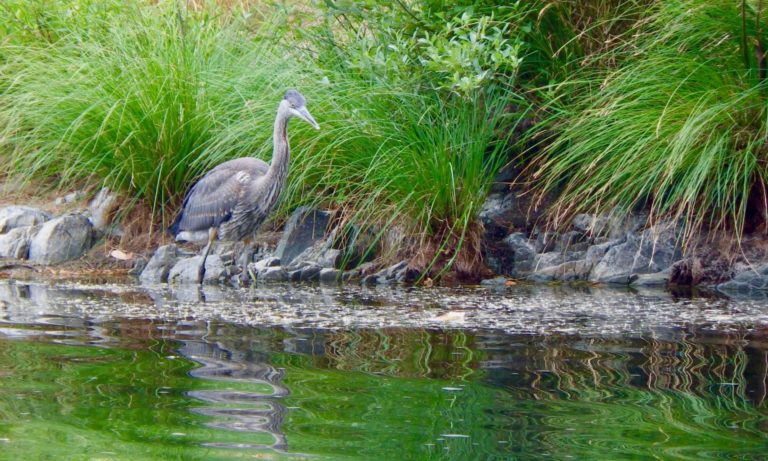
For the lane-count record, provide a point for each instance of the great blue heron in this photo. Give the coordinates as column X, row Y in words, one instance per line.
column 232, row 200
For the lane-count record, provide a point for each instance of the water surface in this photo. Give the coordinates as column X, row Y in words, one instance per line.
column 117, row 371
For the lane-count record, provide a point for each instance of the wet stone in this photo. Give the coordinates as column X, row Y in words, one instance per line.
column 328, row 275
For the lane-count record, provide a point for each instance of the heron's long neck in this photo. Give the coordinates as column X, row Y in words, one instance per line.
column 281, row 154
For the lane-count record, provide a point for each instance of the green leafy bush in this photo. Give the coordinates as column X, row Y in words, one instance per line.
column 457, row 47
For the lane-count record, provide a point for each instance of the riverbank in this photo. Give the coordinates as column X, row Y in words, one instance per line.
column 78, row 234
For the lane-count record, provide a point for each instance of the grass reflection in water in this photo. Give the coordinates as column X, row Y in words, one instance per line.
column 391, row 393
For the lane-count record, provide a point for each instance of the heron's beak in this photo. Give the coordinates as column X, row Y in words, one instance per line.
column 304, row 114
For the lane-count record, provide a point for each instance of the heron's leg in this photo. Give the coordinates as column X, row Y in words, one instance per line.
column 211, row 237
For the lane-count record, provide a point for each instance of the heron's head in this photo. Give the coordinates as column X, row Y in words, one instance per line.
column 297, row 107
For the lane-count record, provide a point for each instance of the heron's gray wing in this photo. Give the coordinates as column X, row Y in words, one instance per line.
column 253, row 166
column 213, row 198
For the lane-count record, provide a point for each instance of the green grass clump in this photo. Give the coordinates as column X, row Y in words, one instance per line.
column 137, row 108
column 427, row 170
column 679, row 126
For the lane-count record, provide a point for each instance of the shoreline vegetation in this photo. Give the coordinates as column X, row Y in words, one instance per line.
column 607, row 111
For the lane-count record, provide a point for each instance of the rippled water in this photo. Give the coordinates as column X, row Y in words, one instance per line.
column 123, row 372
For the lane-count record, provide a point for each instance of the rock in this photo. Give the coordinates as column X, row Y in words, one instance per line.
column 273, row 274
column 595, row 253
column 329, row 258
column 524, row 253
column 61, row 239
column 585, row 223
column 159, row 266
column 70, row 198
column 328, row 275
column 568, row 271
column 310, row 273
column 546, row 260
column 754, row 278
column 656, row 279
column 656, row 249
column 304, row 228
column 512, row 256
column 261, row 265
column 100, row 208
column 350, row 275
column 12, row 217
column 505, row 211
column 545, row 241
column 187, row 270
column 15, row 244
column 571, row 242
column 614, row 225
column 494, row 282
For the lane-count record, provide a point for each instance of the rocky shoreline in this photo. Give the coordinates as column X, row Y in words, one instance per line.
column 609, row 250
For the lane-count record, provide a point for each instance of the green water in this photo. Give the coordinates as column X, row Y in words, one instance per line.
column 125, row 373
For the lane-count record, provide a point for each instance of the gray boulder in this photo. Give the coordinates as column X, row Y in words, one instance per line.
column 187, row 270
column 328, row 275
column 505, row 211
column 273, row 274
column 656, row 279
column 12, row 217
column 159, row 266
column 613, row 225
column 751, row 279
column 61, row 239
column 569, row 271
column 304, row 228
column 655, row 250
column 513, row 256
column 396, row 273
column 15, row 244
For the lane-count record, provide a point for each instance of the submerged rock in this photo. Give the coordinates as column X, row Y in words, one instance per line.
column 12, row 217
column 61, row 239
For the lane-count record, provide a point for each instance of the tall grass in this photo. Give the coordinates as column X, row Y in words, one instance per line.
column 679, row 126
column 166, row 93
column 138, row 108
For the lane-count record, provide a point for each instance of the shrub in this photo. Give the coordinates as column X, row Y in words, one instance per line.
column 679, row 126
